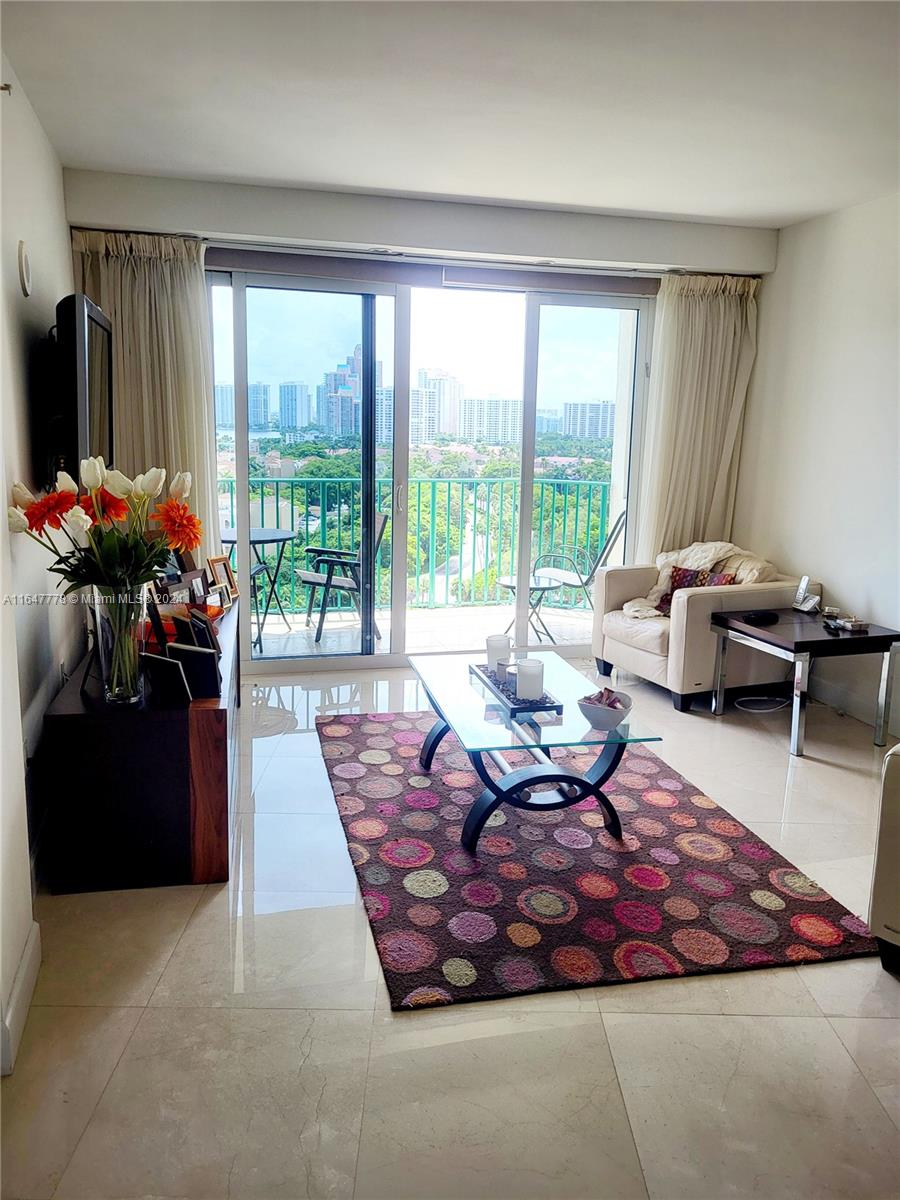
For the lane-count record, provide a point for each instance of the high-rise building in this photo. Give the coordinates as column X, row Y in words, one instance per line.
column 224, row 393
column 495, row 421
column 448, row 392
column 384, row 415
column 547, row 420
column 424, row 415
column 258, row 406
column 590, row 421
column 294, row 405
column 338, row 398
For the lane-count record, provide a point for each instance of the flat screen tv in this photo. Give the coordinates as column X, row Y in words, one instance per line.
column 81, row 410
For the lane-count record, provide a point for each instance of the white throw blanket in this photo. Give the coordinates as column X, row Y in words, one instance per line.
column 700, row 556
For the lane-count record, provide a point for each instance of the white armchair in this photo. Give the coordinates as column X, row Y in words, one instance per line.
column 679, row 651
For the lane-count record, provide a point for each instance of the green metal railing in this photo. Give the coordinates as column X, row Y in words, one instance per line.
column 461, row 533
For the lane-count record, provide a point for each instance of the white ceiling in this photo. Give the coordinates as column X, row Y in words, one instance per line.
column 749, row 113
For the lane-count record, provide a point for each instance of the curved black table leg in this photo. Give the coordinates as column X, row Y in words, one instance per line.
column 479, row 815
column 510, row 788
column 432, row 740
column 597, row 774
column 613, row 823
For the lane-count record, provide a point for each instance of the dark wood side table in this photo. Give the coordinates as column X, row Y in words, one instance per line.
column 799, row 638
column 138, row 796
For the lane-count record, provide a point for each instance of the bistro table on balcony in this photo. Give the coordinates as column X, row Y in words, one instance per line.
column 538, row 587
column 265, row 537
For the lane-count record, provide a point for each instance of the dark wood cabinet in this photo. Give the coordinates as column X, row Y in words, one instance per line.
column 138, row 798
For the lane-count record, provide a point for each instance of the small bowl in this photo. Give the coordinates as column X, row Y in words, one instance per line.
column 601, row 716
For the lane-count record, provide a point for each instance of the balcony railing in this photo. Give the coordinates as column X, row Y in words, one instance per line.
column 461, row 533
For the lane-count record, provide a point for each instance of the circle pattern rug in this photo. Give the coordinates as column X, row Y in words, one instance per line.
column 551, row 900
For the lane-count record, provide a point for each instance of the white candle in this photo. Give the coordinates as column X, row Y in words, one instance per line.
column 530, row 679
column 498, row 646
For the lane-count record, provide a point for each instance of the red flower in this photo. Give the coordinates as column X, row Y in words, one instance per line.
column 181, row 527
column 111, row 507
column 49, row 510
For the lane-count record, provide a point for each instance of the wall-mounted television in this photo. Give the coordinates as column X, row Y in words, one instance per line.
column 80, row 415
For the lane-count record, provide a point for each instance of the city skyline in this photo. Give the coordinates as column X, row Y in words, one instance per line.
column 438, row 407
column 476, row 338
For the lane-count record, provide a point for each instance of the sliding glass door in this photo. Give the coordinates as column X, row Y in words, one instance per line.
column 306, row 513
column 582, row 357
column 375, row 443
column 465, row 429
column 515, row 394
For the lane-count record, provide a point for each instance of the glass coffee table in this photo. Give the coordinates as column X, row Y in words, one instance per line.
column 485, row 730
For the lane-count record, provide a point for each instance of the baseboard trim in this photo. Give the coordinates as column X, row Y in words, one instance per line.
column 16, row 1013
column 860, row 705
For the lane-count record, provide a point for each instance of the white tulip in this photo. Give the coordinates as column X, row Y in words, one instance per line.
column 138, row 482
column 180, row 488
column 65, row 482
column 93, row 473
column 118, row 485
column 21, row 497
column 77, row 520
column 153, row 481
column 18, row 522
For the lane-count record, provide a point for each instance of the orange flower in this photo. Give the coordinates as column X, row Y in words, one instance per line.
column 49, row 510
column 181, row 527
column 111, row 507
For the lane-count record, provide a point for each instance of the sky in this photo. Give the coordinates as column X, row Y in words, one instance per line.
column 477, row 336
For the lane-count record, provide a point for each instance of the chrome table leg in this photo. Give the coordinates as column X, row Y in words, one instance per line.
column 718, row 696
column 798, row 711
column 885, row 688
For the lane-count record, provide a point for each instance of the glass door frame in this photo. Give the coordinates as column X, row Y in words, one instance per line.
column 367, row 291
column 536, row 300
column 396, row 656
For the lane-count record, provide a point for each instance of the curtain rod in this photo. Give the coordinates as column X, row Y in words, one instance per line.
column 386, row 254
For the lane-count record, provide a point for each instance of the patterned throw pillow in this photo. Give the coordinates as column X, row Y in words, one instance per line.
column 684, row 578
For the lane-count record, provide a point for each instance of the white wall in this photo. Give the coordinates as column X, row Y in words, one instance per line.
column 354, row 221
column 40, row 638
column 819, row 486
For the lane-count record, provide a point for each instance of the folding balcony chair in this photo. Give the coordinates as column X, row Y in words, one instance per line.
column 336, row 571
column 571, row 567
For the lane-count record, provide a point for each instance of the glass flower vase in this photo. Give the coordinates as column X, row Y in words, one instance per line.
column 120, row 622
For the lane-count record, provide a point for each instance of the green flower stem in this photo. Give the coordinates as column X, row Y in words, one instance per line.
column 124, row 617
column 40, row 541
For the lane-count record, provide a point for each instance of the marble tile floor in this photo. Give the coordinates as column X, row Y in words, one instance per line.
column 236, row 1043
column 451, row 628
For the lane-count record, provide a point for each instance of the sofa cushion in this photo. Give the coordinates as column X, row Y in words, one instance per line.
column 650, row 633
column 683, row 578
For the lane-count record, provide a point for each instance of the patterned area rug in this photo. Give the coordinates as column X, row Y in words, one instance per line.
column 551, row 900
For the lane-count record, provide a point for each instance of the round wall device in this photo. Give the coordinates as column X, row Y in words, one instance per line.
column 24, row 269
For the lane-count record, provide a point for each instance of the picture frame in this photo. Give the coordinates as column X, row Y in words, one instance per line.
column 156, row 623
column 168, row 682
column 220, row 593
column 221, row 573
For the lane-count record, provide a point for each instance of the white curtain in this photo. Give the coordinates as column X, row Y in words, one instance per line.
column 153, row 289
column 704, row 344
